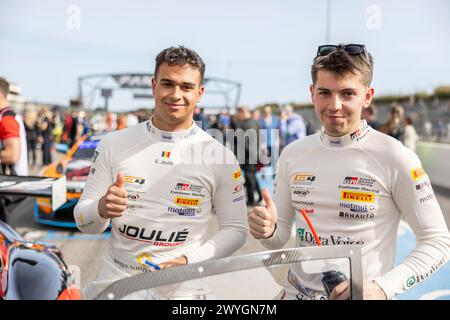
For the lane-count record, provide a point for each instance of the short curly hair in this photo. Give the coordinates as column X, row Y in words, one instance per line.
column 340, row 62
column 179, row 56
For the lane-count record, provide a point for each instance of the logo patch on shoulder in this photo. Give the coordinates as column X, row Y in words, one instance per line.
column 417, row 173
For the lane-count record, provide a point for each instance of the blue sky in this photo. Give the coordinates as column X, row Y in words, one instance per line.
column 267, row 45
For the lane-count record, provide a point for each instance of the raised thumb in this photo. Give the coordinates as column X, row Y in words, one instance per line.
column 120, row 179
column 267, row 199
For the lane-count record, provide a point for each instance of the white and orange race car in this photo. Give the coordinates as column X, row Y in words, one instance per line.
column 75, row 165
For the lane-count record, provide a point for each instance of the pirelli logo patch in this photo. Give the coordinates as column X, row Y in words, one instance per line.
column 417, row 173
column 237, row 174
column 187, row 202
column 351, row 196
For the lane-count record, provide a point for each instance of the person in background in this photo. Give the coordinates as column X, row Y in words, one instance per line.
column 370, row 115
column 224, row 120
column 121, row 122
column 57, row 127
column 394, row 126
column 283, row 130
column 32, row 132
column 293, row 126
column 74, row 129
column 201, row 119
column 410, row 135
column 245, row 122
column 256, row 115
column 132, row 119
column 269, row 124
column 86, row 127
column 13, row 149
column 109, row 120
column 67, row 128
column 46, row 137
column 428, row 129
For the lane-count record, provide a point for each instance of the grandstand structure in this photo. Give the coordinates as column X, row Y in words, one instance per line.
column 219, row 93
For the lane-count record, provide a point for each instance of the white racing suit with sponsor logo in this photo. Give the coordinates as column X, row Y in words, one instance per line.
column 175, row 182
column 355, row 189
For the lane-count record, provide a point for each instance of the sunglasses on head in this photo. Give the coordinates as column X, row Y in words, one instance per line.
column 352, row 49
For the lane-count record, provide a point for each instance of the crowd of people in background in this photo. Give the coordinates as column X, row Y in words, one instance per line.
column 277, row 127
column 45, row 127
column 274, row 132
column 398, row 125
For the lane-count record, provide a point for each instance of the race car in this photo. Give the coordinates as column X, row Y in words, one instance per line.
column 33, row 270
column 75, row 165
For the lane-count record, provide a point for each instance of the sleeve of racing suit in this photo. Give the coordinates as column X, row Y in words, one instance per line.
column 86, row 212
column 231, row 212
column 416, row 201
column 285, row 211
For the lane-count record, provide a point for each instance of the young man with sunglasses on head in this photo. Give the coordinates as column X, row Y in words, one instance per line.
column 160, row 183
column 355, row 184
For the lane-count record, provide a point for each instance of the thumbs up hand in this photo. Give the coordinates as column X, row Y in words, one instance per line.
column 262, row 220
column 119, row 180
column 114, row 202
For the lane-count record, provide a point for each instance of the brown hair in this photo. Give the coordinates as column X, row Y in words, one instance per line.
column 408, row 121
column 179, row 57
column 4, row 86
column 340, row 62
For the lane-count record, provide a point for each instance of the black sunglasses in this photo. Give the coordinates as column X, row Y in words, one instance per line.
column 352, row 49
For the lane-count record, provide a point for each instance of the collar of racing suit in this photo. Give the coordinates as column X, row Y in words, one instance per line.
column 355, row 136
column 168, row 136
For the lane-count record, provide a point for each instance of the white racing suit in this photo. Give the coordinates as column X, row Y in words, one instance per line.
column 355, row 189
column 175, row 182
